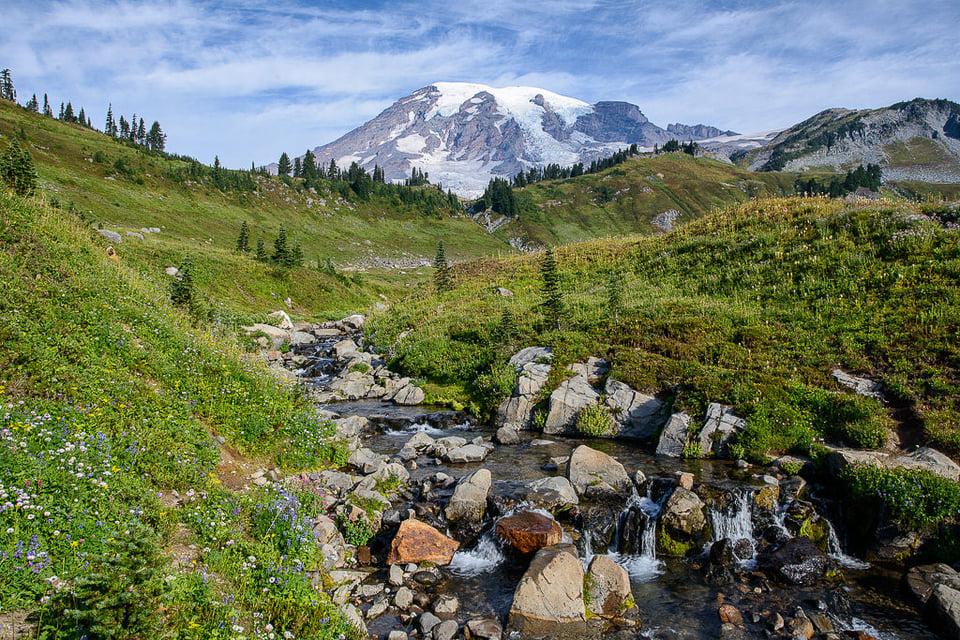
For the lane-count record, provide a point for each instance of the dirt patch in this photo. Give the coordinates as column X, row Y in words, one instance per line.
column 14, row 625
column 182, row 550
column 234, row 470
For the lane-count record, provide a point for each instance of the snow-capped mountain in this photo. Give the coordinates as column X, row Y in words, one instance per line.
column 463, row 134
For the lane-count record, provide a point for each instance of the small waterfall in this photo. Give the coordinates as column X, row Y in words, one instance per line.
column 635, row 541
column 736, row 520
column 486, row 556
column 835, row 551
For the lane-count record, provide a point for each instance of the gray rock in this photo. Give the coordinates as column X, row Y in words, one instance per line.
column 566, row 402
column 446, row 630
column 404, row 597
column 172, row 271
column 298, row 338
column 596, row 476
column 112, row 236
column 553, row 494
column 504, row 293
column 483, row 629
column 366, row 460
column 636, row 415
column 518, row 408
column 530, row 354
column 284, row 320
column 353, row 616
column 683, row 516
column 929, row 459
column 378, row 608
column 427, row 622
column 467, row 453
column 798, row 561
column 345, row 348
column 549, row 598
column 325, row 531
column 674, row 436
column 396, row 634
column 336, row 482
column 409, row 395
column 134, row 234
column 609, row 587
column 446, row 606
column 354, row 322
column 395, row 575
column 469, row 499
column 353, row 386
column 351, row 426
column 922, row 580
column 944, row 606
column 419, row 441
column 862, row 386
column 507, row 435
column 719, row 428
column 276, row 335
column 593, row 369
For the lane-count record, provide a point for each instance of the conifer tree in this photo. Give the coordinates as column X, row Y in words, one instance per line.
column 47, row 111
column 142, row 132
column 7, row 92
column 244, row 238
column 441, row 271
column 16, row 169
column 82, row 117
column 333, row 173
column 615, row 294
column 308, row 168
column 295, row 257
column 281, row 253
column 261, row 251
column 156, row 139
column 297, row 168
column 506, row 329
column 132, row 133
column 283, row 166
column 181, row 289
column 110, row 125
column 124, row 128
column 550, row 288
column 33, row 105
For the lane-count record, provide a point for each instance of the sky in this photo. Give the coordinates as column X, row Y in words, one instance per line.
column 247, row 80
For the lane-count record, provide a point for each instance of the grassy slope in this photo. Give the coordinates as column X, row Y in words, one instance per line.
column 204, row 221
column 562, row 211
column 110, row 395
column 753, row 307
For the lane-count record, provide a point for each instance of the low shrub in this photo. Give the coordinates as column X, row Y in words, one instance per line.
column 915, row 497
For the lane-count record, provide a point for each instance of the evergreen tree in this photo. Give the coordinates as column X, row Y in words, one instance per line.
column 82, row 117
column 216, row 163
column 281, row 253
column 261, row 251
column 308, row 168
column 297, row 168
column 110, row 125
column 7, row 92
column 181, row 289
column 333, row 173
column 550, row 288
column 47, row 111
column 506, row 329
column 441, row 270
column 33, row 105
column 132, row 133
column 295, row 259
column 283, row 167
column 124, row 128
column 615, row 294
column 68, row 115
column 156, row 138
column 244, row 238
column 142, row 132
column 16, row 169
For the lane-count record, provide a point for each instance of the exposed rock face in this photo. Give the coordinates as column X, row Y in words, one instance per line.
column 528, row 531
column 596, row 476
column 719, row 428
column 922, row 458
column 553, row 494
column 549, row 599
column 798, row 561
column 609, row 587
column 530, row 355
column 517, row 410
column 409, row 395
column 566, row 402
column 937, row 586
column 417, row 542
column 636, row 415
column 469, row 500
column 674, row 436
column 863, row 386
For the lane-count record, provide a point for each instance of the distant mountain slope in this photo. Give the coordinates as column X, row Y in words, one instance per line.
column 463, row 134
column 915, row 140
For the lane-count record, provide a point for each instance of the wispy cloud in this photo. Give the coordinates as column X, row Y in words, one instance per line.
column 247, row 80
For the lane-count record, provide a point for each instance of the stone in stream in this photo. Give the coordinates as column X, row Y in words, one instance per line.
column 352, row 323
column 427, row 622
column 799, row 561
column 409, row 395
column 554, row 494
column 674, row 436
column 566, row 403
column 608, row 587
column 548, row 601
column 596, row 476
column 937, row 587
column 682, row 524
column 446, row 606
column 354, row 385
column 507, row 435
column 467, row 453
column 528, row 531
column 396, row 634
column 418, row 542
column 446, row 630
column 365, row 460
column 395, row 575
column 403, row 598
column 469, row 500
column 483, row 629
column 730, row 614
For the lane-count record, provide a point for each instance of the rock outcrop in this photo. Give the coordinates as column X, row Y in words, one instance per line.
column 674, row 436
column 549, row 599
column 528, row 531
column 596, row 476
column 608, row 587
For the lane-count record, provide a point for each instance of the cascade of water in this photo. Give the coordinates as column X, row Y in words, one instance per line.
column 736, row 520
column 635, row 546
column 835, row 551
column 484, row 557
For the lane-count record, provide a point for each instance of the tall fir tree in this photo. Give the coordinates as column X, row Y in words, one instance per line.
column 283, row 166
column 441, row 270
column 17, row 170
column 550, row 288
column 33, row 105
column 82, row 117
column 156, row 138
column 281, row 253
column 47, row 111
column 333, row 173
column 68, row 115
column 132, row 132
column 124, row 128
column 181, row 289
column 110, row 125
column 7, row 92
column 142, row 133
column 295, row 258
column 308, row 168
column 297, row 168
column 244, row 238
column 261, row 254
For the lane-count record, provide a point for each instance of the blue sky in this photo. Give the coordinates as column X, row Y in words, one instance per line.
column 247, row 80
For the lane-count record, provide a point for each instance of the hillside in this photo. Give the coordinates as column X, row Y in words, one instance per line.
column 915, row 140
column 754, row 307
column 123, row 188
column 642, row 195
column 118, row 419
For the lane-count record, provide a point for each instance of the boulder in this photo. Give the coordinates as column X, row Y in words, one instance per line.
column 112, row 236
column 921, row 580
column 608, row 587
column 351, row 426
column 354, row 322
column 549, row 599
column 636, row 415
column 719, row 428
column 446, row 630
column 417, row 542
column 566, row 402
column 674, row 436
column 172, row 271
column 404, row 598
column 503, row 292
column 517, row 410
column 798, row 561
column 682, row 524
column 469, row 499
column 366, row 461
column 730, row 614
column 427, row 622
column 596, row 476
column 446, row 606
column 861, row 386
column 944, row 610
column 483, row 629
column 467, row 453
column 508, row 435
column 530, row 354
column 528, row 531
column 593, row 369
column 284, row 320
column 276, row 335
column 353, row 386
column 409, row 395
column 929, row 459
column 553, row 494
column 345, row 348
column 298, row 338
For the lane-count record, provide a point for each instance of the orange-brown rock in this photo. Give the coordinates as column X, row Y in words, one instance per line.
column 528, row 531
column 419, row 542
column 729, row 613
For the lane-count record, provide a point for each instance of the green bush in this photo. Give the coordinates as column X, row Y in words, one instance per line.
column 594, row 421
column 915, row 497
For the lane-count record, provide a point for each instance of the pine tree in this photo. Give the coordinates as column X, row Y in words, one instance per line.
column 295, row 259
column 181, row 289
column 297, row 168
column 550, row 288
column 82, row 117
column 124, row 128
column 16, row 169
column 283, row 167
column 156, row 138
column 33, row 105
column 281, row 253
column 615, row 294
column 506, row 329
column 261, row 251
column 308, row 168
column 142, row 132
column 244, row 238
column 47, row 111
column 441, row 270
column 333, row 173
column 110, row 125
column 7, row 92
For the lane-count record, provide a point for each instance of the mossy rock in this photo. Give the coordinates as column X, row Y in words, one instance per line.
column 671, row 547
column 818, row 530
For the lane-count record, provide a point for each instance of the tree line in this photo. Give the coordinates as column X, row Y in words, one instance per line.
column 869, row 177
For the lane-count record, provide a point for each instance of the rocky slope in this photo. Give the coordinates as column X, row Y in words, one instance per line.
column 463, row 134
column 915, row 140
